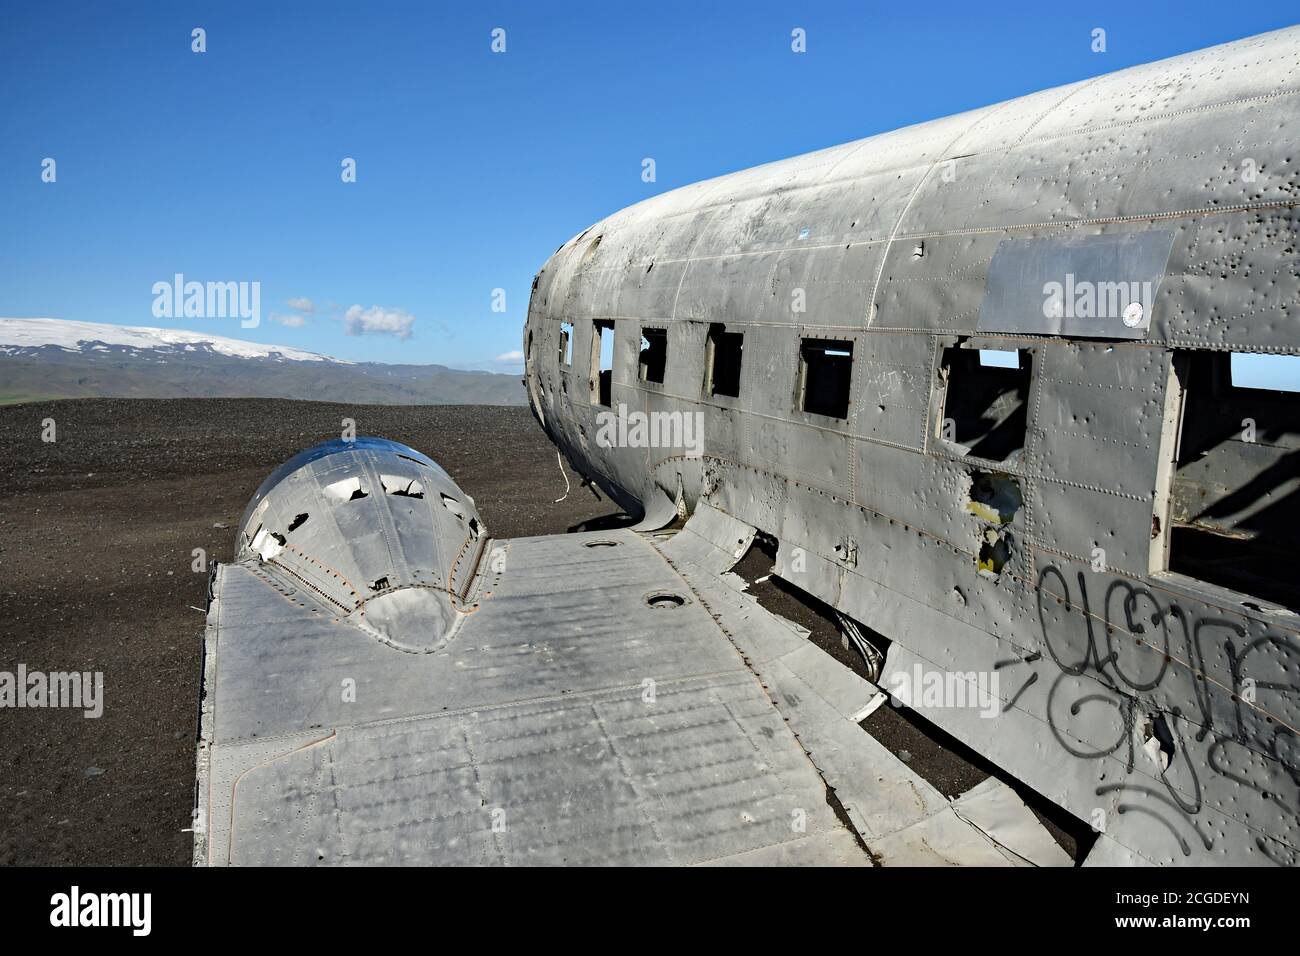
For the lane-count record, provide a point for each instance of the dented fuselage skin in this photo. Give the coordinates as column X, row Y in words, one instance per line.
column 1117, row 234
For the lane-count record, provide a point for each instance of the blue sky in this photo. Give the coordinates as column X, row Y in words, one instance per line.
column 472, row 167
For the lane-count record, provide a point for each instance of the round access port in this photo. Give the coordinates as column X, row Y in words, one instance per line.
column 664, row 600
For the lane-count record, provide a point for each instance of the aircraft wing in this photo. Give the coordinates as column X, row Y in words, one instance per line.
column 386, row 684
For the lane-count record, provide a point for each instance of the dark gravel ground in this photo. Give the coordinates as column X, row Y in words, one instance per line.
column 97, row 531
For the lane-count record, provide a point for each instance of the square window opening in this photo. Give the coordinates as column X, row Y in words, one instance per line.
column 654, row 354
column 1234, row 500
column 825, row 373
column 986, row 401
column 602, row 362
column 725, row 351
column 566, row 343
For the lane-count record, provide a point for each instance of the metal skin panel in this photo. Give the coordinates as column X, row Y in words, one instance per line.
column 1072, row 521
column 894, row 395
column 591, row 779
column 927, row 502
column 895, row 239
column 1234, row 284
column 1113, row 264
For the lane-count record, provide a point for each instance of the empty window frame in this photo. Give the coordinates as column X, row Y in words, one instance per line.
column 723, row 354
column 986, row 400
column 566, row 343
column 654, row 354
column 1234, row 500
column 825, row 373
column 602, row 361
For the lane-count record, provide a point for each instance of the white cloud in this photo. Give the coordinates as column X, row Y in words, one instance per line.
column 301, row 304
column 377, row 320
column 515, row 356
column 292, row 320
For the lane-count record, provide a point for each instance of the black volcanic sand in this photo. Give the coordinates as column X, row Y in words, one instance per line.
column 96, row 537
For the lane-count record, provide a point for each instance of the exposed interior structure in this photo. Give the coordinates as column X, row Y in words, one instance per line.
column 1234, row 508
column 602, row 361
column 654, row 354
column 825, row 373
column 725, row 352
column 566, row 343
column 985, row 402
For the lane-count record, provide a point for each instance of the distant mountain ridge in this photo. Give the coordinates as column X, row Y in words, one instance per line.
column 58, row 358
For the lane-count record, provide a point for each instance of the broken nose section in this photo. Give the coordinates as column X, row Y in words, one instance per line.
column 373, row 532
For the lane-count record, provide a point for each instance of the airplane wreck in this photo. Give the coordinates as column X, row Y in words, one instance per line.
column 989, row 385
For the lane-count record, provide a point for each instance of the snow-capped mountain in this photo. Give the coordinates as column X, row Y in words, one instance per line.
column 18, row 335
column 57, row 358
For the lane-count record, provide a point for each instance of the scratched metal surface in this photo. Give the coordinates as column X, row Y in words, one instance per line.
column 890, row 240
column 563, row 720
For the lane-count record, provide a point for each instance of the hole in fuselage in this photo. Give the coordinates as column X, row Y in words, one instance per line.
column 345, row 489
column 402, row 486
